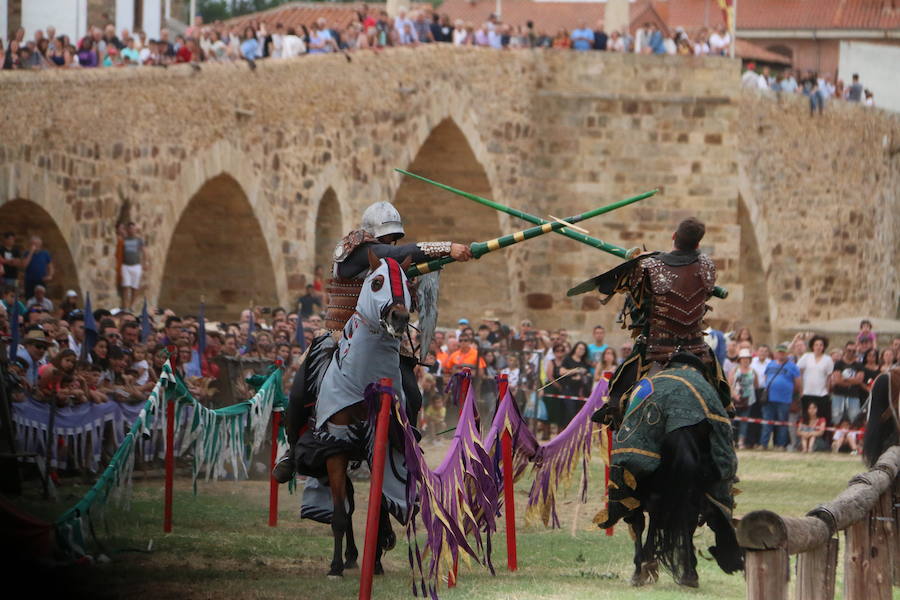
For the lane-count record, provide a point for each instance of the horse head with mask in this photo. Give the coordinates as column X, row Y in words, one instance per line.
column 673, row 458
column 328, row 393
column 882, row 421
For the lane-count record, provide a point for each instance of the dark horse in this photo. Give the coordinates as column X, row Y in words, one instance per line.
column 673, row 459
column 328, row 422
column 882, row 422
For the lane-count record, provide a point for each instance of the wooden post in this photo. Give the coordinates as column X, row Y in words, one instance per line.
column 816, row 571
column 880, row 578
column 767, row 574
column 509, row 499
column 895, row 533
column 379, row 456
column 273, row 484
column 463, row 394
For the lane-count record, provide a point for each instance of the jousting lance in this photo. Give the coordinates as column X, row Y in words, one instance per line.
column 718, row 292
column 479, row 249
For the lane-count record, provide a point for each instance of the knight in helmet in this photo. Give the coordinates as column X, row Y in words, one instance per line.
column 382, row 228
column 665, row 301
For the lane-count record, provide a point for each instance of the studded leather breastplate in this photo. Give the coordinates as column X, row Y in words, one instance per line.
column 678, row 306
column 342, row 297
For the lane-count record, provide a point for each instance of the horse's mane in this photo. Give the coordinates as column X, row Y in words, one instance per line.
column 881, row 424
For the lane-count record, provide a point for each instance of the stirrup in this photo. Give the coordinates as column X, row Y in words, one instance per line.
column 284, row 468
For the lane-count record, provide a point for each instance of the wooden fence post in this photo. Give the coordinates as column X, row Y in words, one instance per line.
column 767, row 574
column 882, row 551
column 816, row 571
column 895, row 533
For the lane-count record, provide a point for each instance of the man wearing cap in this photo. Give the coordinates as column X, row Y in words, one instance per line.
column 666, row 294
column 34, row 352
column 782, row 382
column 381, row 229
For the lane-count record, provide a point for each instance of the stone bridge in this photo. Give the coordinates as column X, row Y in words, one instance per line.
column 242, row 181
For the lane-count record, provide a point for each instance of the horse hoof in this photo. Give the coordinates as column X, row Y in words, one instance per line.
column 351, row 564
column 690, row 580
column 388, row 541
column 335, row 574
column 637, row 580
column 379, row 570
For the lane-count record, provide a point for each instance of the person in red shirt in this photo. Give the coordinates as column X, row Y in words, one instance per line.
column 184, row 54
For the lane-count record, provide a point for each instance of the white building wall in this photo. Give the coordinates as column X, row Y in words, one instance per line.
column 68, row 16
column 877, row 68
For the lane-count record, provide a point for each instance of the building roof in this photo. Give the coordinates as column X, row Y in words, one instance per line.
column 550, row 16
column 749, row 51
column 295, row 14
column 691, row 14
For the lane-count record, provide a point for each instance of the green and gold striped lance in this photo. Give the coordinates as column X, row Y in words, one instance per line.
column 479, row 249
column 719, row 292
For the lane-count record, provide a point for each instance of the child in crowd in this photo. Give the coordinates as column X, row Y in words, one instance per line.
column 843, row 437
column 436, row 416
column 90, row 374
column 140, row 365
column 811, row 429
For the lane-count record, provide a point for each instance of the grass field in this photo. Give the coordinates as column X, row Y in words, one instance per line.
column 222, row 547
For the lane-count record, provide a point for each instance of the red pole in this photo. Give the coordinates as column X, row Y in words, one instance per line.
column 609, row 530
column 374, row 514
column 509, row 500
column 463, row 394
column 273, row 485
column 170, row 451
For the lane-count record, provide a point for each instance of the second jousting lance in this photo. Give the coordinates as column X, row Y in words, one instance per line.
column 479, row 249
column 627, row 254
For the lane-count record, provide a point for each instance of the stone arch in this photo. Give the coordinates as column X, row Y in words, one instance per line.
column 218, row 250
column 756, row 305
column 329, row 229
column 430, row 214
column 26, row 218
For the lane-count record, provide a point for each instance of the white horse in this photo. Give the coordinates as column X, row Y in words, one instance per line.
column 341, row 432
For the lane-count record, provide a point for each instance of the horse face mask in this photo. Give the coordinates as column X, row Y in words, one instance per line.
column 385, row 297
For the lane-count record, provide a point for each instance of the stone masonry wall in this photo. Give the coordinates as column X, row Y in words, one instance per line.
column 550, row 133
column 823, row 196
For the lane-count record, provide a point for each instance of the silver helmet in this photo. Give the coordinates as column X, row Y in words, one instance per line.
column 381, row 219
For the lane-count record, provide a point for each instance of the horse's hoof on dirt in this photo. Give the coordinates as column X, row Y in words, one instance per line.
column 691, row 581
column 637, row 580
column 335, row 574
column 379, row 570
column 351, row 564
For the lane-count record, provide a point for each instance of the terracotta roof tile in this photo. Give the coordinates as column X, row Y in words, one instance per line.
column 750, row 51
column 549, row 16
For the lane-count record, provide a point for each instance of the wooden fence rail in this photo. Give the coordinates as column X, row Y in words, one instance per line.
column 866, row 511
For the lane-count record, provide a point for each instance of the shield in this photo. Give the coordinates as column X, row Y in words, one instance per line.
column 427, row 288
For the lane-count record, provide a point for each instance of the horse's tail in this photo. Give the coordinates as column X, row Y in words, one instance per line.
column 680, row 481
column 881, row 425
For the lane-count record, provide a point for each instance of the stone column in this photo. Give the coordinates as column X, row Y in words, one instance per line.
column 616, row 16
column 394, row 6
column 124, row 15
column 152, row 18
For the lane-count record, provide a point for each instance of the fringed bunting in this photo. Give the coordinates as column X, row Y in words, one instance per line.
column 220, row 433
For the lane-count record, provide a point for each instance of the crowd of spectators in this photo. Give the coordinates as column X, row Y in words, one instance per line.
column 118, row 357
column 370, row 29
column 821, row 393
column 818, row 87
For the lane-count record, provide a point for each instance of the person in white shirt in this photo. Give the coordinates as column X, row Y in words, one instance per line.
column 460, row 35
column 400, row 24
column 719, row 41
column 293, row 44
column 277, row 47
column 815, row 369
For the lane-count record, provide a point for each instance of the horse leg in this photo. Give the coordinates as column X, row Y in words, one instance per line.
column 650, row 566
column 386, row 538
column 351, row 553
column 689, row 577
column 636, row 522
column 340, row 520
